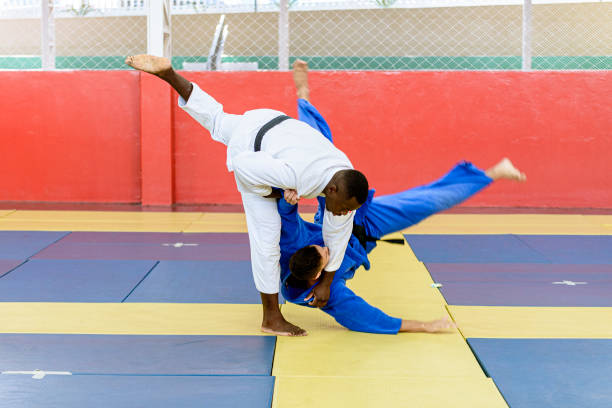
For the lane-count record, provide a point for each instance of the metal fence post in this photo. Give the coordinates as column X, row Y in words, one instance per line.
column 158, row 28
column 47, row 35
column 283, row 36
column 527, row 29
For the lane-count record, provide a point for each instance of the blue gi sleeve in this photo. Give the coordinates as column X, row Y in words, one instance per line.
column 295, row 234
column 287, row 211
column 354, row 313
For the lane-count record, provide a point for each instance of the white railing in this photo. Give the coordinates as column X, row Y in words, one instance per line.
column 28, row 8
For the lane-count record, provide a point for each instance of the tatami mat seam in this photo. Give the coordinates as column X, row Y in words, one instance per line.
column 12, row 269
column 52, row 243
column 142, row 280
column 9, row 212
column 185, row 228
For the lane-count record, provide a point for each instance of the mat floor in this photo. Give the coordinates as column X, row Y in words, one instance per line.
column 125, row 309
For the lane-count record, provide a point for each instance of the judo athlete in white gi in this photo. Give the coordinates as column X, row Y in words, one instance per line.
column 270, row 153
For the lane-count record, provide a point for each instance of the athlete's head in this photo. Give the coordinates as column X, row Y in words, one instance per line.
column 346, row 191
column 308, row 263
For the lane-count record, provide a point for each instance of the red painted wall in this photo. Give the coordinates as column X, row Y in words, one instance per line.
column 403, row 129
column 76, row 136
column 156, row 139
column 69, row 136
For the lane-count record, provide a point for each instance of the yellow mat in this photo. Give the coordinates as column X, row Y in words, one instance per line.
column 219, row 222
column 386, row 252
column 331, row 350
column 396, row 282
column 376, row 392
column 98, row 221
column 130, row 318
column 395, row 277
column 393, row 258
column 226, row 222
column 4, row 213
column 533, row 322
column 599, row 219
column 537, row 224
column 234, row 222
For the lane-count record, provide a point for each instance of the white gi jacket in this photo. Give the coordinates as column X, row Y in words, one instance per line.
column 293, row 156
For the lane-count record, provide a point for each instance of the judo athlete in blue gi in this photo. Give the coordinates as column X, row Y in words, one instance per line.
column 303, row 256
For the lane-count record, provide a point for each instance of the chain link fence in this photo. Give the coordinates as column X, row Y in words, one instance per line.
column 479, row 37
column 572, row 36
column 340, row 34
column 251, row 42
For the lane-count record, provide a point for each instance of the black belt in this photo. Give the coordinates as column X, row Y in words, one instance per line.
column 267, row 127
column 359, row 232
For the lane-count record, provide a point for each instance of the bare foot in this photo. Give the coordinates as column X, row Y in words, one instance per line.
column 300, row 79
column 506, row 170
column 282, row 328
column 149, row 63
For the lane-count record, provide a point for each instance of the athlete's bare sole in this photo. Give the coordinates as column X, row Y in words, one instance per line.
column 300, row 79
column 506, row 170
column 150, row 64
column 162, row 68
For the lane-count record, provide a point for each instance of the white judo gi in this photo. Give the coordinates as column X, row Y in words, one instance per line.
column 293, row 156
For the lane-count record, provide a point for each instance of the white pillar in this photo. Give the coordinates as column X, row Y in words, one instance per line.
column 283, row 36
column 527, row 29
column 47, row 35
column 158, row 29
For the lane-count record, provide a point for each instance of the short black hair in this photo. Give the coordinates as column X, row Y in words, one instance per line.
column 305, row 263
column 355, row 184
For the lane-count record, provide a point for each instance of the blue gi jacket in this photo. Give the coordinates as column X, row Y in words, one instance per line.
column 350, row 310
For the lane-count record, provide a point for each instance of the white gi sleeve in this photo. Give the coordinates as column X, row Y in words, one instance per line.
column 264, row 226
column 205, row 110
column 258, row 172
column 336, row 234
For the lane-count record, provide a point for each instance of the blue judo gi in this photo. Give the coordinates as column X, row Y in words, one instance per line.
column 379, row 216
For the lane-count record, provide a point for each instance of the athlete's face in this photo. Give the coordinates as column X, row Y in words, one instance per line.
column 324, row 252
column 338, row 204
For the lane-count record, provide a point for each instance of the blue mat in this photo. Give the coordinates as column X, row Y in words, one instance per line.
column 150, row 245
column 24, row 244
column 94, row 391
column 522, row 294
column 473, row 249
column 138, row 354
column 198, row 282
column 7, row 265
column 72, row 281
column 583, row 249
column 524, row 284
column 84, row 237
column 516, row 272
column 549, row 372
